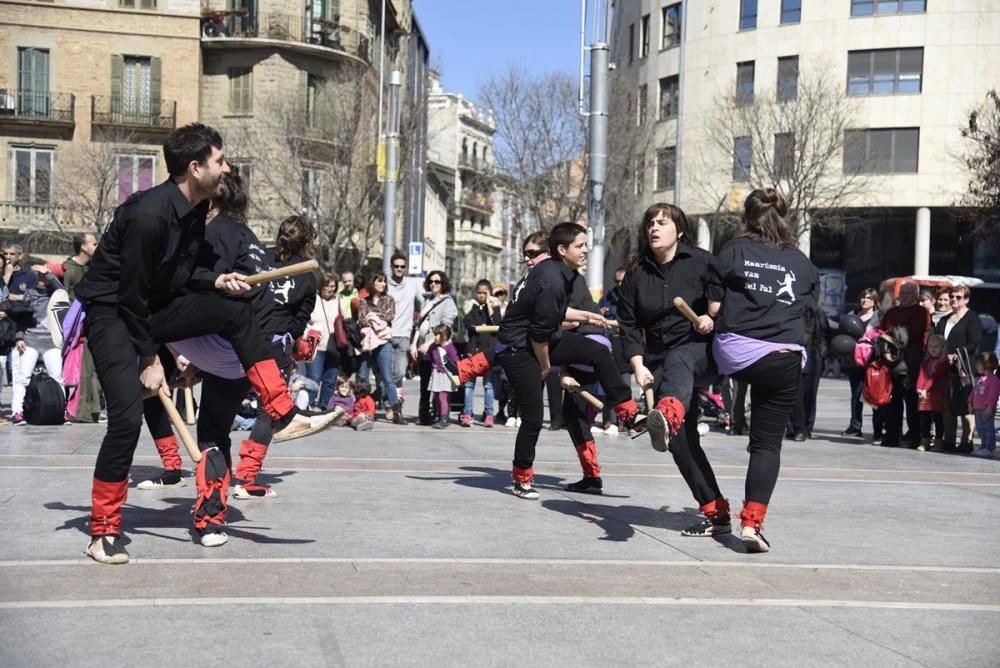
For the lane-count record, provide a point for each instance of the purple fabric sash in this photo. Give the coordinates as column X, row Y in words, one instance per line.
column 73, row 325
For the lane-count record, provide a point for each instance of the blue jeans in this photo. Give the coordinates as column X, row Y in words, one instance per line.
column 323, row 370
column 382, row 357
column 470, row 388
column 987, row 432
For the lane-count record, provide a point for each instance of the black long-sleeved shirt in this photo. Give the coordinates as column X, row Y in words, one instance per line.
column 293, row 299
column 538, row 305
column 767, row 291
column 237, row 248
column 646, row 311
column 478, row 315
column 148, row 255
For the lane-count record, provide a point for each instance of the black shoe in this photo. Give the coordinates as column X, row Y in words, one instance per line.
column 588, row 485
column 555, row 427
column 709, row 527
column 443, row 424
column 799, row 437
column 852, row 433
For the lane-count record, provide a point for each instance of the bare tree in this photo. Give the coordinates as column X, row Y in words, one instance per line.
column 315, row 156
column 88, row 182
column 791, row 138
column 982, row 157
column 539, row 144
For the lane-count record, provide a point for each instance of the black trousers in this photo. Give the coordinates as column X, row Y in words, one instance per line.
column 553, row 388
column 525, row 375
column 117, row 363
column 574, row 407
column 804, row 410
column 425, row 410
column 774, row 389
column 221, row 398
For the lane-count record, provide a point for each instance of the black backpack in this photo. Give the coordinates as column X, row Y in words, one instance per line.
column 45, row 401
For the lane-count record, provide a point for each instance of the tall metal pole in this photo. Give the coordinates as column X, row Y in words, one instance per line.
column 391, row 173
column 598, row 164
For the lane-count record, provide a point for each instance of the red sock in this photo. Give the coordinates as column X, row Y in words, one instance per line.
column 167, row 447
column 588, row 459
column 106, row 500
column 753, row 514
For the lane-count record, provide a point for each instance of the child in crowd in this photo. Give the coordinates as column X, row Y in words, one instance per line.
column 246, row 416
column 932, row 391
column 301, row 387
column 984, row 397
column 444, row 360
column 343, row 397
column 362, row 418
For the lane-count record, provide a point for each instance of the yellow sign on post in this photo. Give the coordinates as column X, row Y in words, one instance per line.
column 380, row 162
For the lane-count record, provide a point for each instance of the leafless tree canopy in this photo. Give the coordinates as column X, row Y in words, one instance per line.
column 315, row 156
column 795, row 145
column 982, row 157
column 539, row 143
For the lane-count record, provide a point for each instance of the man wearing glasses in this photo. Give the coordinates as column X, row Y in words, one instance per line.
column 408, row 294
column 917, row 321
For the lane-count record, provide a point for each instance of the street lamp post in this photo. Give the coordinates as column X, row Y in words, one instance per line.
column 391, row 173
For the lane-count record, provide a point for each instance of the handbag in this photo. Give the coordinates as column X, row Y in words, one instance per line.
column 339, row 332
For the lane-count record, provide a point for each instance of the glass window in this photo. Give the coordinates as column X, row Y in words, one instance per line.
column 671, row 26
column 791, row 11
column 883, row 7
column 744, row 83
column 784, row 154
column 748, row 14
column 884, row 72
column 631, row 43
column 312, row 191
column 858, row 72
column 135, row 174
column 742, row 158
column 887, row 7
column 33, row 82
column 862, row 7
column 882, row 150
column 640, row 175
column 911, row 67
column 642, row 105
column 666, row 161
column 240, row 90
column 788, row 78
column 669, row 88
column 32, row 175
column 644, row 36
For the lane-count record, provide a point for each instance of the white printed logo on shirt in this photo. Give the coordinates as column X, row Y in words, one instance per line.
column 769, row 278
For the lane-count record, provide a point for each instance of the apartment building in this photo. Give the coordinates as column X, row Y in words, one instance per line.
column 908, row 71
column 88, row 91
column 460, row 161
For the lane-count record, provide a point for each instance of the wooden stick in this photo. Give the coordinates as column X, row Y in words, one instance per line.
column 175, row 419
column 284, row 272
column 592, row 400
column 613, row 323
column 571, row 384
column 650, row 398
column 188, row 405
column 685, row 310
column 487, row 329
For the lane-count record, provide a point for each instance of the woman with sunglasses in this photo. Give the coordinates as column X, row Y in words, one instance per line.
column 438, row 309
column 963, row 331
column 867, row 311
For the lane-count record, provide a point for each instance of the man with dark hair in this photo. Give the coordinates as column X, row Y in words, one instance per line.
column 87, row 406
column 481, row 313
column 149, row 283
column 84, row 246
column 408, row 294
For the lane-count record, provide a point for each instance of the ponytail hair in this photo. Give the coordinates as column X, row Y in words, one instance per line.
column 765, row 217
column 295, row 233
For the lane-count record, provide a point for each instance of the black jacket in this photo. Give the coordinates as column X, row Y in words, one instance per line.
column 966, row 333
column 478, row 315
column 152, row 251
column 646, row 309
column 538, row 305
column 767, row 291
column 293, row 299
column 238, row 249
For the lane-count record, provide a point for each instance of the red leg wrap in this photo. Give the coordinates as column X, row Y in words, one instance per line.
column 251, row 460
column 716, row 508
column 523, row 475
column 626, row 410
column 270, row 386
column 106, row 500
column 212, row 476
column 753, row 514
column 588, row 459
column 167, row 447
column 673, row 411
column 473, row 367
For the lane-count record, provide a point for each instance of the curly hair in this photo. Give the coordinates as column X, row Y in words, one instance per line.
column 445, row 283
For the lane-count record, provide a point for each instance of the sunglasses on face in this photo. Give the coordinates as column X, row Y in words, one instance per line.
column 531, row 254
column 434, row 281
column 956, row 298
column 399, row 266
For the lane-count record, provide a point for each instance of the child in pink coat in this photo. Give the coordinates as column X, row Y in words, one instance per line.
column 932, row 391
column 983, row 401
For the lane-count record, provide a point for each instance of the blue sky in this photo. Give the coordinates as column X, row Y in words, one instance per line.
column 471, row 38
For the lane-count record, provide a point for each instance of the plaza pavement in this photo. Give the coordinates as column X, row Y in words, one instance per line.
column 404, row 546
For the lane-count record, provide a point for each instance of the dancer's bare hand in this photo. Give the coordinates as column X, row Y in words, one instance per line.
column 643, row 376
column 232, row 283
column 598, row 320
column 705, row 325
column 151, row 375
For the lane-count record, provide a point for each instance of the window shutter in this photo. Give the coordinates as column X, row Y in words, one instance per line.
column 155, row 86
column 117, row 78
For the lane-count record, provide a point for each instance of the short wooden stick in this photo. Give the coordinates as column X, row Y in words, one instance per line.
column 175, row 419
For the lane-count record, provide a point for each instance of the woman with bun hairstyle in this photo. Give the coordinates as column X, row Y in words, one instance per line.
column 765, row 285
column 667, row 352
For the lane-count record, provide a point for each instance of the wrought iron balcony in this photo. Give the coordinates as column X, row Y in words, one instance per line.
column 238, row 25
column 475, row 164
column 477, row 202
column 118, row 111
column 32, row 106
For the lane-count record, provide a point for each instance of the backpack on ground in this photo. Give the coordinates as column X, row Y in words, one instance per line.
column 44, row 401
column 878, row 384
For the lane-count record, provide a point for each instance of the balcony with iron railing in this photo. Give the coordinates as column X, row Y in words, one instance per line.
column 474, row 163
column 30, row 107
column 243, row 27
column 477, row 202
column 133, row 114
